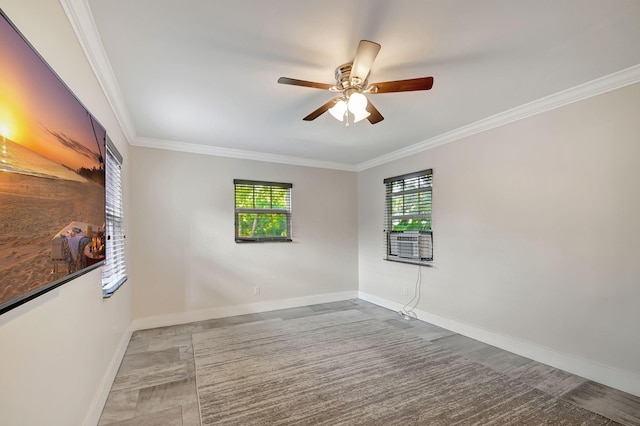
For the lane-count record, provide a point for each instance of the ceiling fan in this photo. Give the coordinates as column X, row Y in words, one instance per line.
column 352, row 84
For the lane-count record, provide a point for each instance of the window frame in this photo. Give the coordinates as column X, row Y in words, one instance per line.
column 287, row 211
column 114, row 273
column 422, row 239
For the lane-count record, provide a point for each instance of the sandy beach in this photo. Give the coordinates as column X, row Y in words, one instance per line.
column 32, row 211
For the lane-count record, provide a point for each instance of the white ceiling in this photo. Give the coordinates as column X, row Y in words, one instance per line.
column 201, row 75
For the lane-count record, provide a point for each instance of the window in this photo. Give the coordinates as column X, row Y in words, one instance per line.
column 263, row 211
column 114, row 273
column 407, row 219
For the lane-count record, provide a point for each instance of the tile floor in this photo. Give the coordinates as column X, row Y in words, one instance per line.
column 155, row 384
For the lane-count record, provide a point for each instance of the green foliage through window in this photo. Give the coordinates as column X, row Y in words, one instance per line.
column 409, row 202
column 262, row 211
column 408, row 234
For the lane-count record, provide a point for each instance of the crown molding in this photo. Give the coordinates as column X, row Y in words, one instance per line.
column 595, row 87
column 79, row 14
column 83, row 24
column 239, row 154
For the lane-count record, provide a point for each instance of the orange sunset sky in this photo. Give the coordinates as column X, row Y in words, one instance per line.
column 38, row 111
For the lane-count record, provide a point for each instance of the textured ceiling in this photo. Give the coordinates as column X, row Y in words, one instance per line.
column 204, row 73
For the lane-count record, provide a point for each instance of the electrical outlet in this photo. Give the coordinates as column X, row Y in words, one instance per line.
column 256, row 290
column 405, row 291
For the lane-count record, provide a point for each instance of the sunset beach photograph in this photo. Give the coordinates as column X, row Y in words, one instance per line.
column 52, row 175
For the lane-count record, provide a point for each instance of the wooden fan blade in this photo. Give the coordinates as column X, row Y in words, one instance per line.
column 375, row 116
column 413, row 84
column 365, row 55
column 324, row 108
column 304, row 83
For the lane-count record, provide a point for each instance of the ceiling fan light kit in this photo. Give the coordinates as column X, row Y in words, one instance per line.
column 356, row 104
column 352, row 83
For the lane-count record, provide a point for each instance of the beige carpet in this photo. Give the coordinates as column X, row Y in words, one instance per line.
column 344, row 368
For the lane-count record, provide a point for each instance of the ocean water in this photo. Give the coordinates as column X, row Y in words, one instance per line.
column 15, row 158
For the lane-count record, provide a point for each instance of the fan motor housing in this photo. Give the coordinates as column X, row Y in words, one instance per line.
column 343, row 77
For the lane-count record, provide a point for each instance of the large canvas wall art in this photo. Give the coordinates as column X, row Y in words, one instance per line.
column 52, row 177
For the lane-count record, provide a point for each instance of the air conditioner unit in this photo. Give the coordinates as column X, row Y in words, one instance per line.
column 414, row 245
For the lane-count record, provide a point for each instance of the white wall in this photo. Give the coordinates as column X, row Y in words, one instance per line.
column 187, row 264
column 537, row 237
column 59, row 350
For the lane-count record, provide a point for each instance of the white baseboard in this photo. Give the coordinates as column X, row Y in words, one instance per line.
column 228, row 311
column 100, row 398
column 609, row 376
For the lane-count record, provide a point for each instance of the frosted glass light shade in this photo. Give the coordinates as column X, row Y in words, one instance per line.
column 360, row 115
column 357, row 104
column 338, row 110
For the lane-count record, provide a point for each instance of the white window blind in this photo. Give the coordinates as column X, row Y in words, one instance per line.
column 408, row 236
column 262, row 211
column 114, row 273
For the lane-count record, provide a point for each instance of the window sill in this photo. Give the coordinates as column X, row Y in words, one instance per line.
column 421, row 262
column 108, row 291
column 266, row 240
